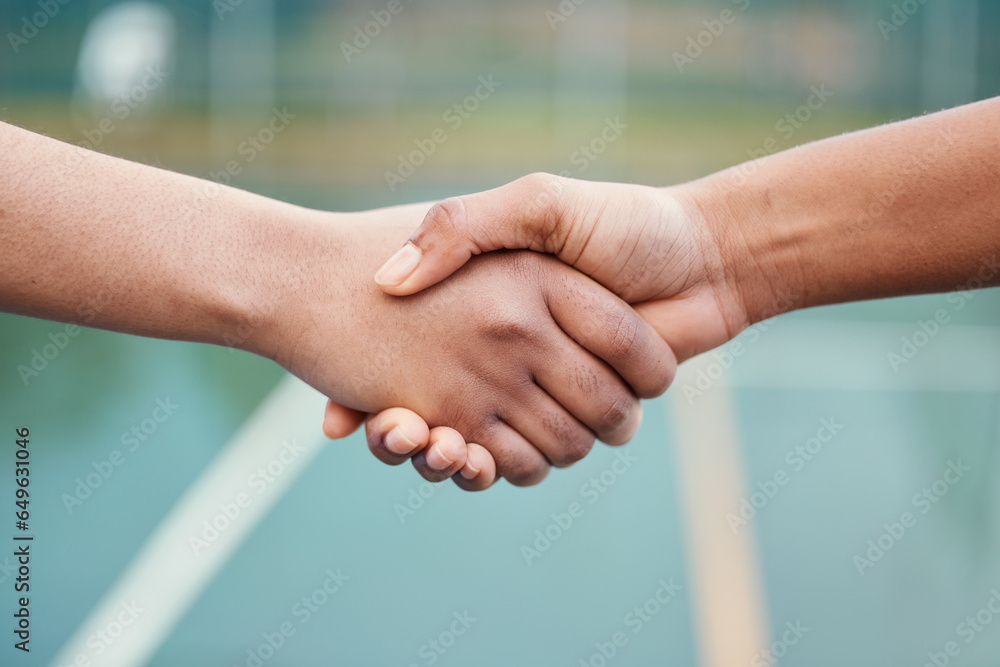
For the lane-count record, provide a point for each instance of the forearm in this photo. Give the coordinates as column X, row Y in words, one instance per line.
column 95, row 240
column 907, row 208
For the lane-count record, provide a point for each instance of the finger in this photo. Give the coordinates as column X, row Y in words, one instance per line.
column 688, row 325
column 517, row 460
column 444, row 456
column 480, row 470
column 521, row 214
column 553, row 431
column 608, row 327
column 339, row 421
column 591, row 391
column 395, row 435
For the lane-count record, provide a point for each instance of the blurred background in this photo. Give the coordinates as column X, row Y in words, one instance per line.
column 761, row 518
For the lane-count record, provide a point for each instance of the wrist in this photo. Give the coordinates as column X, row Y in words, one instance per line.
column 314, row 282
column 279, row 248
column 756, row 253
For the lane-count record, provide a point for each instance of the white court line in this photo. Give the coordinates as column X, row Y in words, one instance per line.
column 729, row 610
column 166, row 577
column 730, row 613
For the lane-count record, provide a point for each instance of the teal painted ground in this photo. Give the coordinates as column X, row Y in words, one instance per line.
column 462, row 553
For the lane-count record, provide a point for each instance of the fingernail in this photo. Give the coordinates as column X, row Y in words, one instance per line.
column 469, row 471
column 399, row 266
column 436, row 460
column 397, row 442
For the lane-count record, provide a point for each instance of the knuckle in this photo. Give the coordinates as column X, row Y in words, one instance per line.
column 526, row 473
column 377, row 447
column 433, row 476
column 448, row 216
column 525, row 267
column 509, row 328
column 539, row 181
column 573, row 442
column 470, row 486
column 617, row 413
column 574, row 445
column 545, row 192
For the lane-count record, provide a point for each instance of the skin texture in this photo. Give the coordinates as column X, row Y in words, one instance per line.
column 907, row 208
column 524, row 356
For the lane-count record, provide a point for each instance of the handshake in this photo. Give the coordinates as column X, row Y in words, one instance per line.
column 517, row 361
column 584, row 299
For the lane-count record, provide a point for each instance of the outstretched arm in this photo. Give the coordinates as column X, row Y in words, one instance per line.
column 905, row 208
column 95, row 240
column 91, row 239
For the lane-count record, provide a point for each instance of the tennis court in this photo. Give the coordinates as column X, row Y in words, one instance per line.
column 825, row 493
column 651, row 556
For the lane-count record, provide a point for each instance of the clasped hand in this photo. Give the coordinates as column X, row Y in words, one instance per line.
column 524, row 360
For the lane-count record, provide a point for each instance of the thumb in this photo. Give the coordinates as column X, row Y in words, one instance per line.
column 340, row 421
column 523, row 214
